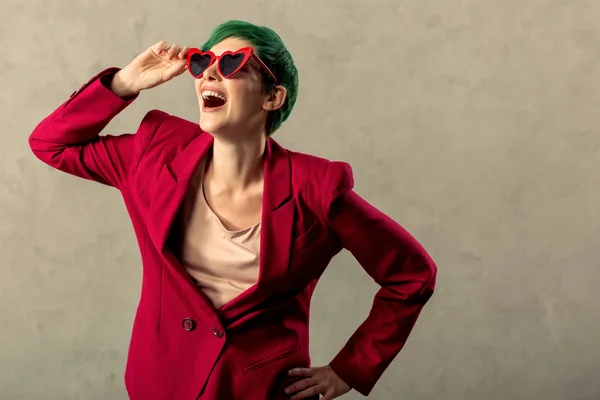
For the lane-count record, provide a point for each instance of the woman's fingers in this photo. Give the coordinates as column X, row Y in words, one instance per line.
column 183, row 52
column 172, row 51
column 159, row 47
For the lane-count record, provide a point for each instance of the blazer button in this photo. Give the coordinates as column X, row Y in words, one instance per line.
column 218, row 333
column 188, row 324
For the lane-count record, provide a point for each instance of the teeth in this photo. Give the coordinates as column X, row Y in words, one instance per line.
column 210, row 93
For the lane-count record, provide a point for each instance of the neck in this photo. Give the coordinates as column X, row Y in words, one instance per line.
column 237, row 164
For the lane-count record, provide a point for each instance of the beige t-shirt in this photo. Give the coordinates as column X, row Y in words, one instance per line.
column 223, row 263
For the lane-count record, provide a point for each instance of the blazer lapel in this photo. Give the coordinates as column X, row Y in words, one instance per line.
column 171, row 188
column 277, row 217
column 276, row 233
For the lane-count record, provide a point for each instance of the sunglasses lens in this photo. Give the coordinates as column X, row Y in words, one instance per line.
column 199, row 63
column 230, row 63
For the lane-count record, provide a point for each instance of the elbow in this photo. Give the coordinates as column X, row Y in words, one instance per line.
column 39, row 149
column 431, row 271
column 415, row 282
column 429, row 278
column 36, row 146
column 47, row 152
column 33, row 144
column 424, row 276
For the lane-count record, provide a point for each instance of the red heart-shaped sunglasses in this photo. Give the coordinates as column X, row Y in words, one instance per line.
column 228, row 63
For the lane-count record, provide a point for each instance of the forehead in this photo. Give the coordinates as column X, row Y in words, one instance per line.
column 229, row 44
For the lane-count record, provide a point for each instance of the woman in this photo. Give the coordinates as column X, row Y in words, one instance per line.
column 235, row 231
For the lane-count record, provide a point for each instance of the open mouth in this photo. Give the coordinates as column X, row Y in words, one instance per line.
column 213, row 100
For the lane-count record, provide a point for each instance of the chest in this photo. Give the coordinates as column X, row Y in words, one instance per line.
column 235, row 213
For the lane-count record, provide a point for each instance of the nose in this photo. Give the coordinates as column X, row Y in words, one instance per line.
column 211, row 73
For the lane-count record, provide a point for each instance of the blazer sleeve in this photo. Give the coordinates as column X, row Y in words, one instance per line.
column 395, row 260
column 68, row 139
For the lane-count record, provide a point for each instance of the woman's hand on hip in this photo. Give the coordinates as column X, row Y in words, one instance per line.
column 317, row 380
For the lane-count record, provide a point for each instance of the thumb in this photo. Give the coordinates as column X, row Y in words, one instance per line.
column 328, row 395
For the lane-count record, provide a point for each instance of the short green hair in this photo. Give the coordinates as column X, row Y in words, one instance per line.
column 271, row 50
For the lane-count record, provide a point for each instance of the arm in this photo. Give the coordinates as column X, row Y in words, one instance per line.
column 395, row 260
column 68, row 139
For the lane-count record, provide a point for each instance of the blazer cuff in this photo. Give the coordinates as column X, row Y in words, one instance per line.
column 350, row 370
column 98, row 87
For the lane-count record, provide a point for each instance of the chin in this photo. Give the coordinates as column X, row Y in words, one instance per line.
column 208, row 127
column 212, row 125
column 217, row 128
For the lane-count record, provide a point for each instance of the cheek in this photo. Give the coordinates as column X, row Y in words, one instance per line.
column 240, row 98
column 245, row 94
column 248, row 103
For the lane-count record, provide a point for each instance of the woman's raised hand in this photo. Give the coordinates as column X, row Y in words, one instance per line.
column 158, row 64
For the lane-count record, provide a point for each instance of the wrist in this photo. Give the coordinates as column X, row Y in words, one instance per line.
column 122, row 86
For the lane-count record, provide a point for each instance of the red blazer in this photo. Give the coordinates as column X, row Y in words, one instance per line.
column 183, row 348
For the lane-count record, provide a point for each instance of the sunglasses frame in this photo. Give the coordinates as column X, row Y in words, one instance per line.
column 248, row 53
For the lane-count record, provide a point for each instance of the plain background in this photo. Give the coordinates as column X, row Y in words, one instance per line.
column 473, row 123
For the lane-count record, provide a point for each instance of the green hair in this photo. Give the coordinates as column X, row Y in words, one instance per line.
column 270, row 48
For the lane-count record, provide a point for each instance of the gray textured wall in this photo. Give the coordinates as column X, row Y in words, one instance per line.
column 473, row 123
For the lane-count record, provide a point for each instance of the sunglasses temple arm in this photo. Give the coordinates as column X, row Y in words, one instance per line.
column 265, row 67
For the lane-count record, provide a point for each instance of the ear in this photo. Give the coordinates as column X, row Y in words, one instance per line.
column 275, row 99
